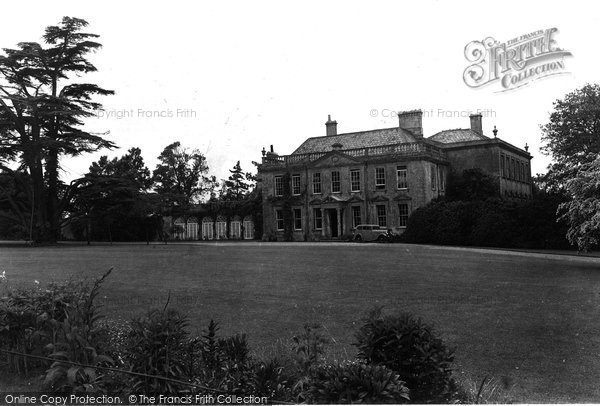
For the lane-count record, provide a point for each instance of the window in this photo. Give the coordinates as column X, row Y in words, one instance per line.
column 221, row 230
column 317, row 183
column 401, row 177
column 279, row 219
column 442, row 176
column 207, row 230
column 522, row 172
column 318, row 219
column 335, row 182
column 433, row 177
column 501, row 165
column 235, row 228
column 248, row 229
column 295, row 184
column 403, row 214
column 297, row 219
column 278, row 185
column 379, row 178
column 507, row 165
column 381, row 215
column 354, row 180
column 356, row 220
column 513, row 174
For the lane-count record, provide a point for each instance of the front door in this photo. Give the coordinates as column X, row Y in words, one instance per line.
column 333, row 222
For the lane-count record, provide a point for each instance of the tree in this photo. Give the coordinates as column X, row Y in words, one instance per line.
column 181, row 177
column 472, row 184
column 42, row 113
column 236, row 186
column 114, row 196
column 582, row 212
column 572, row 136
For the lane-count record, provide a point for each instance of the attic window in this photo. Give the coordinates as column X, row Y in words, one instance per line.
column 337, row 145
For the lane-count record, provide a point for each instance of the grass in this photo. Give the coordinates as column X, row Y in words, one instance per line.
column 527, row 321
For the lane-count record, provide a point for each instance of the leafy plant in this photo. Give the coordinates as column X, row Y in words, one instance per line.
column 157, row 346
column 410, row 348
column 356, row 382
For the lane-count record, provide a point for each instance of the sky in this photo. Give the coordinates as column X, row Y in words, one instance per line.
column 231, row 77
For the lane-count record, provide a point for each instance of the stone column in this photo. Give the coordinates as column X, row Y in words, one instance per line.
column 339, row 222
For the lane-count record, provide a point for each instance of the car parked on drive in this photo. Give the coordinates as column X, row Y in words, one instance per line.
column 369, row 232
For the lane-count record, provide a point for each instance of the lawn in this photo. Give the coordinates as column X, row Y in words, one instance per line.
column 528, row 319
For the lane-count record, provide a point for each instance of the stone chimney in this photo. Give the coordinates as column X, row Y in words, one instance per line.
column 476, row 124
column 412, row 121
column 331, row 126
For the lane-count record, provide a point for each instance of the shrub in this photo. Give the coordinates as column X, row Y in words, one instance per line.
column 157, row 346
column 356, row 382
column 76, row 339
column 410, row 348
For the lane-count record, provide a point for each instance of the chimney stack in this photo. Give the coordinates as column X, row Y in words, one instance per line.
column 476, row 124
column 412, row 121
column 331, row 126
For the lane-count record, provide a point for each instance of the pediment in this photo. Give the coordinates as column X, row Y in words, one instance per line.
column 402, row 196
column 354, row 199
column 334, row 199
column 380, row 198
column 315, row 201
column 332, row 159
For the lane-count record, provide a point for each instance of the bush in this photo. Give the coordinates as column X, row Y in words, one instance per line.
column 409, row 347
column 356, row 382
column 59, row 322
column 490, row 223
column 157, row 346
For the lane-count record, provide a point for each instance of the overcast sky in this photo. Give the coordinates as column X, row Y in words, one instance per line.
column 234, row 77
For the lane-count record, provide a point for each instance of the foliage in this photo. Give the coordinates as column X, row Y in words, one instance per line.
column 74, row 339
column 582, row 212
column 113, row 203
column 309, row 347
column 410, row 348
column 491, row 223
column 42, row 113
column 157, row 346
column 572, row 135
column 181, row 177
column 356, row 382
column 471, row 184
column 238, row 183
column 58, row 322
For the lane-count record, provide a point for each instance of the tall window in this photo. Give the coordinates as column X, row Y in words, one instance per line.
column 335, row 182
column 297, row 219
column 401, row 177
column 433, row 177
column 381, row 215
column 522, row 167
column 507, row 164
column 379, row 178
column 502, row 173
column 442, row 176
column 354, row 180
column 278, row 185
column 356, row 220
column 512, row 169
column 295, row 184
column 318, row 219
column 317, row 183
column 279, row 219
column 403, row 214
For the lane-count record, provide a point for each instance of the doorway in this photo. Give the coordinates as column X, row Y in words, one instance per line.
column 333, row 222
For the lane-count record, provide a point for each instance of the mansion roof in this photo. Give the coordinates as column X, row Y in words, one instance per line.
column 361, row 139
column 457, row 135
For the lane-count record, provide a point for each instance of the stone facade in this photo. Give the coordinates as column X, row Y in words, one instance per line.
column 331, row 184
